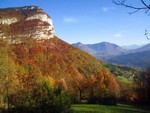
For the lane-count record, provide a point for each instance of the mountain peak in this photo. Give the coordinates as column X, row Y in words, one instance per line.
column 77, row 44
column 101, row 50
column 21, row 8
column 26, row 21
column 108, row 44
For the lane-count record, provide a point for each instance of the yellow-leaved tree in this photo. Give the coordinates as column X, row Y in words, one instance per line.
column 8, row 78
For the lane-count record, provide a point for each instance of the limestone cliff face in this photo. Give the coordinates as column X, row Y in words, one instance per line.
column 28, row 21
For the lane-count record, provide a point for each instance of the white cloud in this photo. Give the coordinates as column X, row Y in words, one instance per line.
column 69, row 20
column 118, row 35
column 105, row 9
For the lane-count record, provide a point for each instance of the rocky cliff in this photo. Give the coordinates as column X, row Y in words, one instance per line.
column 28, row 21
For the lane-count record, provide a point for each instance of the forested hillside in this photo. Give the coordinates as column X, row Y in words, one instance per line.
column 33, row 63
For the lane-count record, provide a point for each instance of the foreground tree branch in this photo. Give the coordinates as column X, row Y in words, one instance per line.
column 144, row 6
column 135, row 8
column 146, row 34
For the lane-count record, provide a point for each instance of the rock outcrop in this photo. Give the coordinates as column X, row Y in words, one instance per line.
column 28, row 21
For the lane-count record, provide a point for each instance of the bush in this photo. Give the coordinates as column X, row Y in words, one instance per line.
column 42, row 98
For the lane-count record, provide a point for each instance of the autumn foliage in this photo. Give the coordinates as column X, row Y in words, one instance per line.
column 52, row 69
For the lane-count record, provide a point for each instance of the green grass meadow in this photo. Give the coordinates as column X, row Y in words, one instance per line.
column 120, row 108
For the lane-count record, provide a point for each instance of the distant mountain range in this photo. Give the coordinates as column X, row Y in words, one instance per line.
column 137, row 57
column 140, row 49
column 136, row 60
column 101, row 50
column 133, row 46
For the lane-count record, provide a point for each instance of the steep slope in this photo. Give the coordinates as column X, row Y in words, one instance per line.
column 56, row 57
column 28, row 21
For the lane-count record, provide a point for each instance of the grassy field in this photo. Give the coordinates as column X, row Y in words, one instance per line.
column 120, row 108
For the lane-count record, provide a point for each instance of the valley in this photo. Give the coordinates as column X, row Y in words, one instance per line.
column 115, row 54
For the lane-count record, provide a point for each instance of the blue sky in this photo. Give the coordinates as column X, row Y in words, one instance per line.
column 91, row 21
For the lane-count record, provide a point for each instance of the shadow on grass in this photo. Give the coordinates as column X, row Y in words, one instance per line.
column 130, row 109
column 120, row 108
column 20, row 111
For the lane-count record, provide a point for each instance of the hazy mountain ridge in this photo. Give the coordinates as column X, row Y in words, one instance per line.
column 85, row 48
column 136, row 60
column 140, row 49
column 139, row 57
column 115, row 54
column 133, row 46
column 101, row 50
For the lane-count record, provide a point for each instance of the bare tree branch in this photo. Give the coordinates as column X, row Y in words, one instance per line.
column 148, row 6
column 134, row 11
column 145, row 6
column 146, row 34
